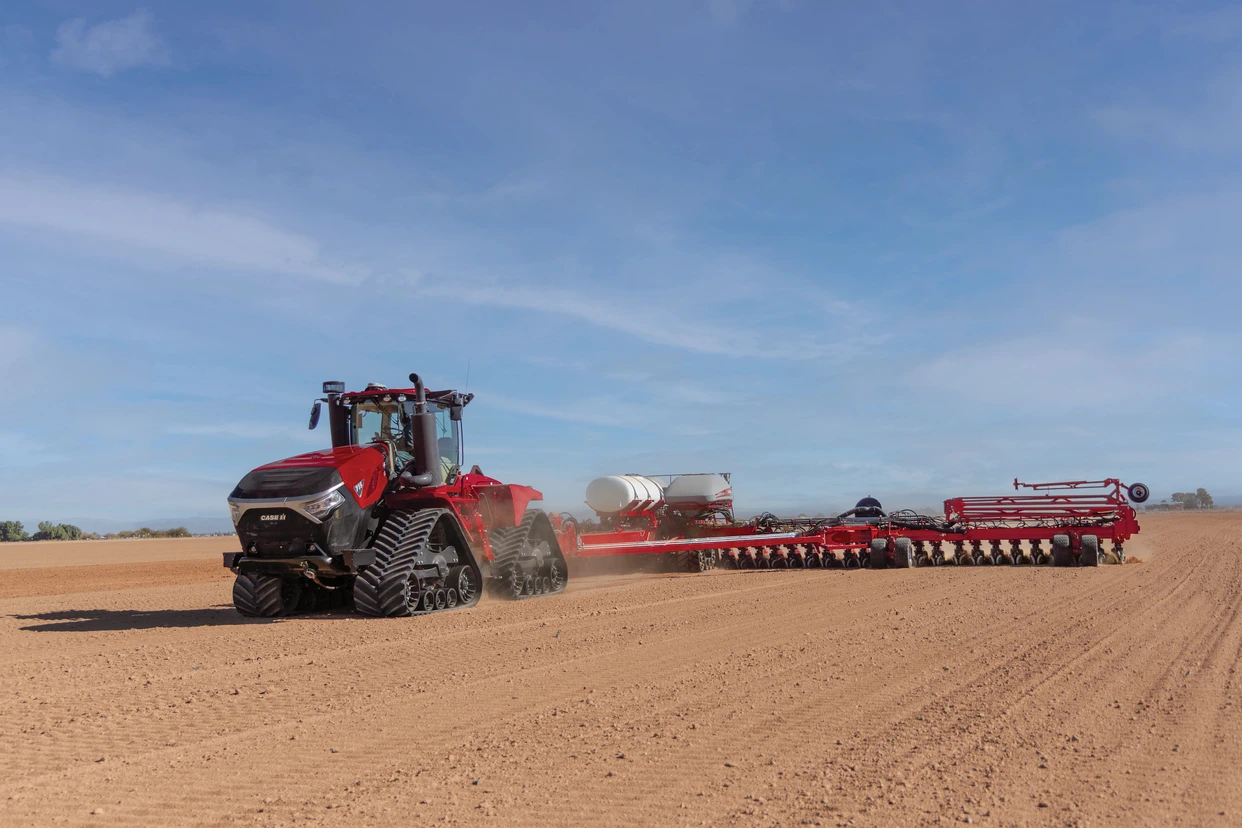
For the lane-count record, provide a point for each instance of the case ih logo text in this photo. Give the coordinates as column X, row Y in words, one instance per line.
column 271, row 517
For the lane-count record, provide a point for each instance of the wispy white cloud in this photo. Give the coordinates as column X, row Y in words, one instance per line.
column 730, row 12
column 1191, row 233
column 657, row 406
column 17, row 44
column 1217, row 128
column 16, row 344
column 137, row 494
column 18, row 450
column 1214, row 25
column 557, row 363
column 1083, row 365
column 140, row 221
column 1206, row 118
column 597, row 410
column 652, row 321
column 111, row 46
column 238, row 430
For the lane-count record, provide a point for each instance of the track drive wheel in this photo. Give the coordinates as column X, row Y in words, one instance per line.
column 1090, row 554
column 879, row 553
column 258, row 595
column 462, row 581
column 903, row 553
column 555, row 576
column 511, row 582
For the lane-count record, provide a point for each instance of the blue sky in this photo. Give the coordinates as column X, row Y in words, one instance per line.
column 837, row 249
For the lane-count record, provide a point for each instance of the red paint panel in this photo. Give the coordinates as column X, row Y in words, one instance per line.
column 504, row 504
column 355, row 464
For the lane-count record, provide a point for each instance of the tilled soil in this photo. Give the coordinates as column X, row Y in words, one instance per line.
column 132, row 693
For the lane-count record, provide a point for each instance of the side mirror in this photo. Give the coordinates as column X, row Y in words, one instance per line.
column 455, row 412
column 314, row 420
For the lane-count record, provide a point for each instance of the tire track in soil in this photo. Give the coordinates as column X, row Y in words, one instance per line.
column 679, row 600
column 518, row 628
column 1005, row 712
column 284, row 670
column 754, row 736
column 765, row 632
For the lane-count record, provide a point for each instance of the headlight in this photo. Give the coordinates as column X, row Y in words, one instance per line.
column 237, row 511
column 321, row 507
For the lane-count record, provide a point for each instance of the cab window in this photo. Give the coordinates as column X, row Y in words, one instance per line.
column 447, row 442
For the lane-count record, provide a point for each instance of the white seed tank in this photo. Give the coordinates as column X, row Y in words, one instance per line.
column 624, row 493
column 692, row 492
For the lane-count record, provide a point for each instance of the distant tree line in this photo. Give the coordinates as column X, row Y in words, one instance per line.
column 13, row 531
column 176, row 532
column 1199, row 499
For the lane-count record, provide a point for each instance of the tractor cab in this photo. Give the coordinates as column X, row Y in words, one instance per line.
column 418, row 430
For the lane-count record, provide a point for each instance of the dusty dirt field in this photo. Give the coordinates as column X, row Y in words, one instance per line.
column 79, row 553
column 135, row 695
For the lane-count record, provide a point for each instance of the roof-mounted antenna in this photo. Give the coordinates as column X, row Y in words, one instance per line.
column 467, row 388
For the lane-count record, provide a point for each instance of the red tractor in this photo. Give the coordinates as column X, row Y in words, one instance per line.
column 386, row 521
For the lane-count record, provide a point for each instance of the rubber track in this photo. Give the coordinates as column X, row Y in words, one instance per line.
column 382, row 588
column 257, row 595
column 506, row 550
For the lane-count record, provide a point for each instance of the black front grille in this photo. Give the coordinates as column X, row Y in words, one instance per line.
column 276, row 533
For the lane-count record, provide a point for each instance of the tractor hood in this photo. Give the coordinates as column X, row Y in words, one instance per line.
column 360, row 468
